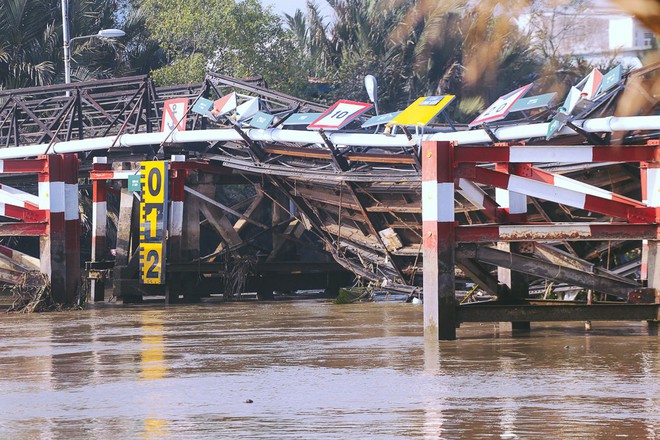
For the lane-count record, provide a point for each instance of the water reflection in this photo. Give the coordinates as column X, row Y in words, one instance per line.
column 152, row 367
column 318, row 370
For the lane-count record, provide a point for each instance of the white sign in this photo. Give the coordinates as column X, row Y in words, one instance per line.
column 341, row 113
column 500, row 108
column 174, row 114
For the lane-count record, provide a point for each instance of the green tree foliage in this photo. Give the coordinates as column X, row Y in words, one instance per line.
column 27, row 40
column 237, row 38
column 414, row 48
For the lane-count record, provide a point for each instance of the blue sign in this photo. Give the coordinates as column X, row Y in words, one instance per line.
column 610, row 79
column 533, row 102
column 301, row 118
column 380, row 119
column 203, row 106
column 261, row 120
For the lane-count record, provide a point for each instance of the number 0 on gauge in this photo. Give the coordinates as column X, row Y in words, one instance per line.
column 341, row 113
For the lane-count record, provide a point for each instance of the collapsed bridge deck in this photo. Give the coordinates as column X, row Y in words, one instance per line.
column 576, row 211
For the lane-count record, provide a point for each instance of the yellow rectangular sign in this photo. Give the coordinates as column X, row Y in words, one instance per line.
column 422, row 111
column 153, row 221
column 152, row 263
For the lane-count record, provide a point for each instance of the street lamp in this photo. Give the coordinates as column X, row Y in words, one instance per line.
column 103, row 33
column 371, row 85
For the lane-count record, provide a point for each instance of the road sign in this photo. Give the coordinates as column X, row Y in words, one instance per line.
column 564, row 112
column 224, row 105
column 533, row 102
column 610, row 79
column 261, row 120
column 592, row 84
column 341, row 113
column 422, row 111
column 380, row 119
column 301, row 118
column 247, row 109
column 153, row 221
column 500, row 108
column 203, row 107
column 174, row 115
column 134, row 184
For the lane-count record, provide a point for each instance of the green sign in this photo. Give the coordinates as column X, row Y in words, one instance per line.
column 134, row 182
column 532, row 102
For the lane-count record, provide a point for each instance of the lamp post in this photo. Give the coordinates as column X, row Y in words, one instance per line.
column 103, row 33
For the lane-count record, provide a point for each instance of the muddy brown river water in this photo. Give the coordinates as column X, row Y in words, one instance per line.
column 315, row 370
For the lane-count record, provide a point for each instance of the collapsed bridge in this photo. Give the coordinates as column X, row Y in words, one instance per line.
column 252, row 199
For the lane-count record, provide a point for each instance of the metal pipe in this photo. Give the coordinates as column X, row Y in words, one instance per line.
column 67, row 41
column 310, row 137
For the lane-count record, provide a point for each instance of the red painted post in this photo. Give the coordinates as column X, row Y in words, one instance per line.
column 99, row 225
column 53, row 245
column 72, row 229
column 438, row 240
column 177, row 194
column 177, row 180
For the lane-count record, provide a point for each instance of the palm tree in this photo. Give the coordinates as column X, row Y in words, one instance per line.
column 31, row 51
column 28, row 38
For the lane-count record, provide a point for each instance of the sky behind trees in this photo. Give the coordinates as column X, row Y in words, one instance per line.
column 290, row 6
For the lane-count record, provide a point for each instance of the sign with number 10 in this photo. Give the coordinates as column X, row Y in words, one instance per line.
column 341, row 113
column 153, row 221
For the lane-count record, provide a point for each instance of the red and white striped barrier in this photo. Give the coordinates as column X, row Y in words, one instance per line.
column 16, row 197
column 552, row 193
column 555, row 232
column 555, row 154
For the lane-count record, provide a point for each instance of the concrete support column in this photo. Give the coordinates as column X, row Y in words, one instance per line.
column 440, row 320
column 123, row 245
column 99, row 226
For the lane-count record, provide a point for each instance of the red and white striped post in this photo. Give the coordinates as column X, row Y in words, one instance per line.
column 177, row 195
column 99, row 225
column 438, row 240
column 72, row 228
column 52, row 246
column 175, row 228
